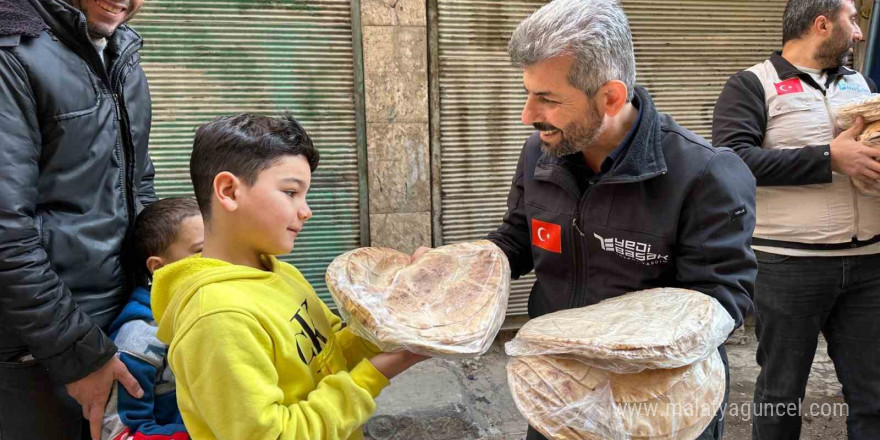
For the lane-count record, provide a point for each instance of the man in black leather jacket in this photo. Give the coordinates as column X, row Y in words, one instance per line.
column 74, row 173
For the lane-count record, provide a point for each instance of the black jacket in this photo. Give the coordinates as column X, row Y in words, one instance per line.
column 671, row 212
column 74, row 171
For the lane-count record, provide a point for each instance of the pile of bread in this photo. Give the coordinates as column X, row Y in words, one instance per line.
column 869, row 110
column 452, row 301
column 640, row 366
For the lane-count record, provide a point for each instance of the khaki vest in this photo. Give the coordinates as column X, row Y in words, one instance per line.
column 799, row 115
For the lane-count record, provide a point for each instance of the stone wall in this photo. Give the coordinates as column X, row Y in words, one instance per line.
column 396, row 92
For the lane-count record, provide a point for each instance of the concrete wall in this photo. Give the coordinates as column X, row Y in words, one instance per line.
column 396, row 91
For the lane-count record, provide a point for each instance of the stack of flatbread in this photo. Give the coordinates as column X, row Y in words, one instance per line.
column 871, row 137
column 869, row 110
column 452, row 301
column 640, row 366
column 566, row 399
column 656, row 328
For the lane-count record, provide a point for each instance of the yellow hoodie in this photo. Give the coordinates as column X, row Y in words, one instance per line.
column 258, row 356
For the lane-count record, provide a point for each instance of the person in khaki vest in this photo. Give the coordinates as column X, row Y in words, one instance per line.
column 817, row 238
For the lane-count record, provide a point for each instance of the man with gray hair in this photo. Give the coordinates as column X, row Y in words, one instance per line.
column 605, row 166
column 817, row 238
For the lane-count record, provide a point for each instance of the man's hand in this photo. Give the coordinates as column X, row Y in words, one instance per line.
column 392, row 364
column 850, row 157
column 92, row 391
column 419, row 252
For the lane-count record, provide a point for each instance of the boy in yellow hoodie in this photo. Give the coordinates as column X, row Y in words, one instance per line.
column 256, row 354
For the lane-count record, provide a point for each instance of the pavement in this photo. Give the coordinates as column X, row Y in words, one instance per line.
column 468, row 399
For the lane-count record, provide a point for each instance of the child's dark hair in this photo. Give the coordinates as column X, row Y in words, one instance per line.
column 156, row 228
column 244, row 145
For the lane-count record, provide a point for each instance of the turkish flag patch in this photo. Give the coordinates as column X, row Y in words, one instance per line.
column 547, row 236
column 792, row 85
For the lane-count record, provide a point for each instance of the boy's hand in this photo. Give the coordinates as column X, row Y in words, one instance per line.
column 392, row 364
column 92, row 391
column 419, row 252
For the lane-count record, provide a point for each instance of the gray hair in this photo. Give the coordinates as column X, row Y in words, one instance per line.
column 800, row 15
column 594, row 32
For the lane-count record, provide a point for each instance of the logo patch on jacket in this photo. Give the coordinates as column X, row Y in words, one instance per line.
column 547, row 236
column 792, row 85
column 852, row 88
column 632, row 250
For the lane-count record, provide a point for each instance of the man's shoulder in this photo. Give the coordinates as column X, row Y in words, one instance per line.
column 689, row 149
column 677, row 136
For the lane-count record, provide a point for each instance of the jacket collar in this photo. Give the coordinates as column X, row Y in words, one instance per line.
column 787, row 70
column 18, row 17
column 70, row 26
column 643, row 159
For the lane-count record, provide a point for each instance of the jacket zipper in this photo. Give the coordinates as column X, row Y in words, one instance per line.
column 855, row 193
column 855, row 232
column 127, row 145
column 577, row 295
column 125, row 124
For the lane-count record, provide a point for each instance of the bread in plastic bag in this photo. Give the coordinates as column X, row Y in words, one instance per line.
column 566, row 399
column 452, row 301
column 868, row 107
column 870, row 137
column 649, row 329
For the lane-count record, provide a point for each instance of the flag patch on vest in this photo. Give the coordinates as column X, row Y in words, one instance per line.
column 547, row 236
column 792, row 85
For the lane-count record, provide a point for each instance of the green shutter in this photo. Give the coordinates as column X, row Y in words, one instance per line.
column 209, row 58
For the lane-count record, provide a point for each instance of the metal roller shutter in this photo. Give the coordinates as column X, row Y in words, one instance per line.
column 209, row 58
column 685, row 51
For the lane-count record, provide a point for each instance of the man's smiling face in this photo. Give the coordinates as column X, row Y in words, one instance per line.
column 104, row 16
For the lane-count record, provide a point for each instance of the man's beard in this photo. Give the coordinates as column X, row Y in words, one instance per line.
column 576, row 136
column 94, row 31
column 834, row 51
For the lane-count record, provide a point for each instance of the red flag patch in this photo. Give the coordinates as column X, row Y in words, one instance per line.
column 547, row 236
column 792, row 85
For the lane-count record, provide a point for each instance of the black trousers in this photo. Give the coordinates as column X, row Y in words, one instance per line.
column 33, row 407
column 797, row 298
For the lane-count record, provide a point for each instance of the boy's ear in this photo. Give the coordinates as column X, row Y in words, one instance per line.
column 226, row 186
column 155, row 263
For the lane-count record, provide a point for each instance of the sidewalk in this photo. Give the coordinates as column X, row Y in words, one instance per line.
column 468, row 399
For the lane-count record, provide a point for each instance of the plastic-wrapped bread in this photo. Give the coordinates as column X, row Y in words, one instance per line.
column 871, row 137
column 452, row 301
column 648, row 329
column 566, row 399
column 868, row 108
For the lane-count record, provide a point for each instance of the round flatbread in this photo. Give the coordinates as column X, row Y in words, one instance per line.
column 649, row 329
column 566, row 399
column 451, row 301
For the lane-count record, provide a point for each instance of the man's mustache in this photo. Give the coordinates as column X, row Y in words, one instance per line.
column 543, row 126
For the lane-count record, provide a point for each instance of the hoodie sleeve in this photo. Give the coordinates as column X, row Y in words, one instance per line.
column 714, row 253
column 139, row 415
column 144, row 356
column 354, row 348
column 228, row 385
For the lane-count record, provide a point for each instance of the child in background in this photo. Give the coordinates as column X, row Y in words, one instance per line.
column 257, row 355
column 166, row 231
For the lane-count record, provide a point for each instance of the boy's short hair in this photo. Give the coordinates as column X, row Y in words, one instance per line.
column 244, row 145
column 156, row 228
